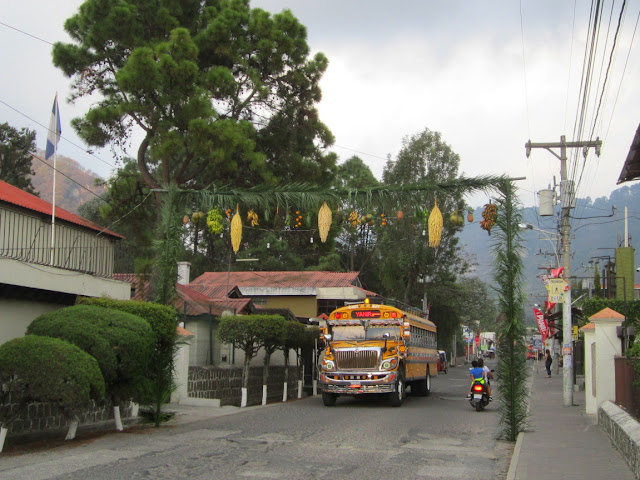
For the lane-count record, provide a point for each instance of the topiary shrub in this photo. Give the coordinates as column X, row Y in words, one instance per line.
column 159, row 374
column 43, row 369
column 122, row 344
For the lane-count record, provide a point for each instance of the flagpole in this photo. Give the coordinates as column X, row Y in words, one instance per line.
column 52, row 149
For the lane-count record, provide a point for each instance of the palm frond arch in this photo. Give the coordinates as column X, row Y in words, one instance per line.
column 507, row 262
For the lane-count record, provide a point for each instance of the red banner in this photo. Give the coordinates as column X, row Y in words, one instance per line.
column 543, row 326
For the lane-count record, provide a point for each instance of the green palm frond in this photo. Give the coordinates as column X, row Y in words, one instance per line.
column 508, row 275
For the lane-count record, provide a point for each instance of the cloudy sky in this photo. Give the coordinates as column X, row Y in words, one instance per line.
column 487, row 75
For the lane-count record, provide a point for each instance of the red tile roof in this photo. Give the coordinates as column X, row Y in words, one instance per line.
column 198, row 304
column 20, row 198
column 279, row 279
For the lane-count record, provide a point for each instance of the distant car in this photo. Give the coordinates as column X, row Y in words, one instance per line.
column 531, row 355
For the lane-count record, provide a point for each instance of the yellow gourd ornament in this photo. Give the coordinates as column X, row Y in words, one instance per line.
column 435, row 226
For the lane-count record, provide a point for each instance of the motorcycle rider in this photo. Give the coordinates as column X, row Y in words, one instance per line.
column 476, row 373
column 487, row 375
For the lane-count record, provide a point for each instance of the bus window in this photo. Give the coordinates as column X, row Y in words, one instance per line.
column 376, row 332
column 352, row 332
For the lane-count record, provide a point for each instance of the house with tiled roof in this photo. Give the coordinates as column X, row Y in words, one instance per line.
column 46, row 264
column 306, row 294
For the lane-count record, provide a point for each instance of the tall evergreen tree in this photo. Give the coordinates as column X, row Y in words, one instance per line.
column 16, row 148
column 221, row 92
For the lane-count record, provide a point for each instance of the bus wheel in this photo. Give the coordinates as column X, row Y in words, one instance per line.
column 397, row 397
column 428, row 384
column 329, row 399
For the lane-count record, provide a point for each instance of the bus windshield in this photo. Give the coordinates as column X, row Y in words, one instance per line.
column 359, row 332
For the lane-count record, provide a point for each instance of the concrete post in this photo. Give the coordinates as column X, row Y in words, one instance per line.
column 181, row 363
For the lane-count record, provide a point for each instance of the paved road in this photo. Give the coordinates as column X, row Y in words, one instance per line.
column 435, row 437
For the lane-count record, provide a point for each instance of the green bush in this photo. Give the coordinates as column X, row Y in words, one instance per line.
column 163, row 320
column 630, row 309
column 44, row 369
column 122, row 343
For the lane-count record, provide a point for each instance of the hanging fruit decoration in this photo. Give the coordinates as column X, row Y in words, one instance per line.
column 456, row 218
column 228, row 214
column 435, row 225
column 383, row 219
column 324, row 221
column 354, row 218
column 470, row 215
column 236, row 230
column 489, row 214
column 399, row 215
column 186, row 219
column 214, row 221
column 298, row 220
column 253, row 218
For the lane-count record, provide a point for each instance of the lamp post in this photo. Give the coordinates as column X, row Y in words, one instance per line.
column 546, row 233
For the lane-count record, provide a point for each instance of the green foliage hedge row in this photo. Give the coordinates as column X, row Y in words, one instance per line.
column 158, row 385
column 630, row 309
column 122, row 343
column 45, row 369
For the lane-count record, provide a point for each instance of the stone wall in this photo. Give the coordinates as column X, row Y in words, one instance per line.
column 624, row 432
column 225, row 384
column 40, row 420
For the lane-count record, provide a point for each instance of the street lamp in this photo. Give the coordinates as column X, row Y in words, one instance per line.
column 546, row 233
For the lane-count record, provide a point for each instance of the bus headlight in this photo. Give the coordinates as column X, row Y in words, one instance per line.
column 328, row 365
column 389, row 364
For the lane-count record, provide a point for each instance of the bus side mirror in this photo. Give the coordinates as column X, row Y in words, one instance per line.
column 327, row 337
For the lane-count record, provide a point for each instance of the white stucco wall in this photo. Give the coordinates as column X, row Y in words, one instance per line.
column 601, row 347
column 608, row 345
column 16, row 315
column 589, row 371
column 23, row 274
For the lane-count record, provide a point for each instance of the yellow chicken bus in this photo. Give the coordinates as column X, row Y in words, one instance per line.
column 373, row 348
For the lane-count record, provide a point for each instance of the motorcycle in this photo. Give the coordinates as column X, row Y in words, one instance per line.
column 479, row 397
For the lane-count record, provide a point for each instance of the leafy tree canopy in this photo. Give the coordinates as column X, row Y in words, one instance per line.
column 404, row 254
column 16, row 147
column 220, row 91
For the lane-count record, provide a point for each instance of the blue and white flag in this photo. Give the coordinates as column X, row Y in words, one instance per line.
column 54, row 130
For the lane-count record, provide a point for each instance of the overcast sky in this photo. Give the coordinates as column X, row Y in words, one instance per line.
column 487, row 75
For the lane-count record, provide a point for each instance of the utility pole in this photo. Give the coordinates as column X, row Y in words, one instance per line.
column 566, row 197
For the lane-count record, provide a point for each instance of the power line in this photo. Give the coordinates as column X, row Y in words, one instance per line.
column 68, row 177
column 25, row 33
column 64, row 138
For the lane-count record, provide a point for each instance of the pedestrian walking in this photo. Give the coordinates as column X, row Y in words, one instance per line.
column 547, row 363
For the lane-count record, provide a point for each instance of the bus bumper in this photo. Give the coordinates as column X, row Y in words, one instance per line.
column 345, row 384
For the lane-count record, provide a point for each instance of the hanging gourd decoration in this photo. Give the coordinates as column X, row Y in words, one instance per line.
column 435, row 225
column 470, row 215
column 324, row 221
column 236, row 230
column 489, row 214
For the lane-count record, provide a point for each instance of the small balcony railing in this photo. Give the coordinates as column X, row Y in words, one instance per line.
column 27, row 238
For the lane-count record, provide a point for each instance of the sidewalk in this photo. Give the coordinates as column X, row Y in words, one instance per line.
column 563, row 442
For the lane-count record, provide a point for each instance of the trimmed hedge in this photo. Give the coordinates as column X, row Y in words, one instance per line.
column 630, row 308
column 159, row 382
column 44, row 369
column 122, row 343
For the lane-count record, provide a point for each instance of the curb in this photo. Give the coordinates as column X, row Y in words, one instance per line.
column 515, row 456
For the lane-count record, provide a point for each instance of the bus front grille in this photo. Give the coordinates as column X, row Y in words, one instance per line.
column 356, row 359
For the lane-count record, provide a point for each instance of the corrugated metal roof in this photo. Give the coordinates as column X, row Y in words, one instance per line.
column 216, row 291
column 20, row 198
column 198, row 304
column 279, row 279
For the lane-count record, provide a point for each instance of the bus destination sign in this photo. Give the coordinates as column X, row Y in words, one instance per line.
column 365, row 314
